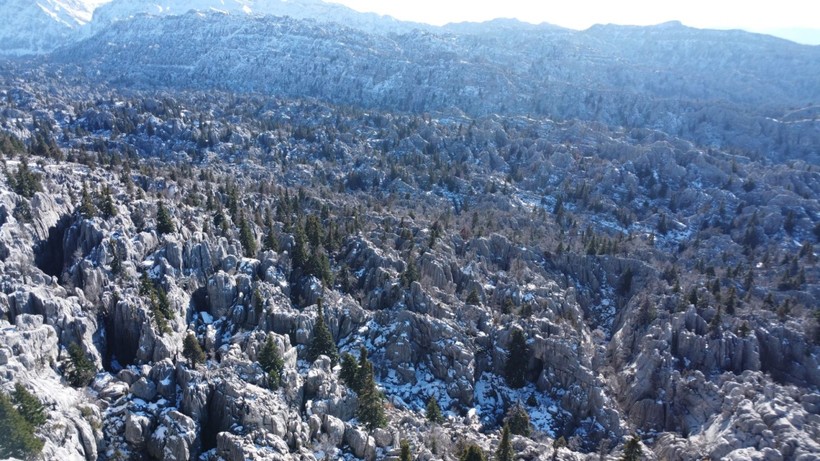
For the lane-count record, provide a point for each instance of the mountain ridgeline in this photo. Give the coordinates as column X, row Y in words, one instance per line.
column 284, row 230
column 723, row 89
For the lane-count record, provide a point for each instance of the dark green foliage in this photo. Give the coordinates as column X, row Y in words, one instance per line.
column 518, row 357
column 349, row 372
column 322, row 343
column 405, row 451
column 632, row 450
column 473, row 299
column 164, row 223
column 107, row 207
column 313, row 231
column 433, row 413
column 271, row 362
column 270, row 241
column 505, row 449
column 247, row 238
column 532, row 400
column 25, row 182
column 410, row 274
column 789, row 222
column 299, row 255
column 17, row 439
column 80, row 369
column 435, row 233
column 192, row 351
column 160, row 306
column 29, row 405
column 258, row 302
column 116, row 262
column 87, row 209
column 557, row 444
column 10, row 145
column 371, row 401
column 519, row 420
column 161, row 310
column 22, row 211
column 472, row 452
column 319, row 266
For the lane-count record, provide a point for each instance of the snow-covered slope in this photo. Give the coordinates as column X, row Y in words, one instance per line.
column 318, row 10
column 31, row 27
column 38, row 27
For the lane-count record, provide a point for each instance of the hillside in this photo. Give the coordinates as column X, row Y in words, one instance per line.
column 232, row 236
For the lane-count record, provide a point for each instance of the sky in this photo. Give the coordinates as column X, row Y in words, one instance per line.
column 800, row 18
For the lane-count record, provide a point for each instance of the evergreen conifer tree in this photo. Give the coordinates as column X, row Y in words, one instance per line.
column 87, row 208
column 518, row 357
column 192, row 351
column 107, row 207
column 518, row 420
column 164, row 223
column 247, row 238
column 29, row 405
column 17, row 439
column 371, row 404
column 505, row 449
column 80, row 368
column 405, row 451
column 349, row 372
column 271, row 362
column 632, row 450
column 472, row 453
column 270, row 242
column 322, row 343
column 433, row 413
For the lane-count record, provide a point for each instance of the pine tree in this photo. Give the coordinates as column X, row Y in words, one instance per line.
column 192, row 351
column 17, row 440
column 247, row 238
column 371, row 404
column 505, row 450
column 519, row 420
column 271, row 362
column 116, row 262
column 25, row 182
column 87, row 209
column 319, row 266
column 473, row 299
column 322, row 343
column 405, row 451
column 360, row 370
column 349, row 372
column 632, row 450
column 164, row 223
column 29, row 405
column 299, row 257
column 472, row 453
column 107, row 207
column 433, row 413
column 270, row 242
column 518, row 357
column 80, row 369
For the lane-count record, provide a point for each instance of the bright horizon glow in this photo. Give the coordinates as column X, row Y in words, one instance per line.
column 780, row 18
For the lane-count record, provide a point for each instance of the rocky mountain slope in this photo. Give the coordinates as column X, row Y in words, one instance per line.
column 228, row 237
column 664, row 290
column 721, row 89
column 34, row 27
